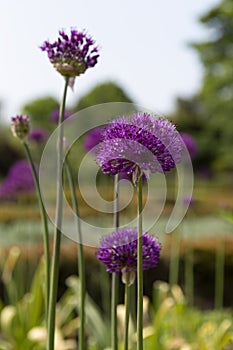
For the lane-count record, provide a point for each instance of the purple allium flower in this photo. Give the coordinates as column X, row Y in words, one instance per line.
column 38, row 135
column 141, row 143
column 72, row 55
column 190, row 143
column 118, row 251
column 54, row 117
column 19, row 180
column 20, row 126
column 93, row 138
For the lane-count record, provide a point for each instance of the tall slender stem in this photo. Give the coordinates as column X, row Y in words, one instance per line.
column 139, row 271
column 175, row 257
column 44, row 219
column 126, row 334
column 219, row 275
column 115, row 277
column 132, row 306
column 81, row 265
column 116, row 202
column 189, row 276
column 114, row 300
column 57, row 232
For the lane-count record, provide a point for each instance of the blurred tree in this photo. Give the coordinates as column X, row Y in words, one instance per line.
column 216, row 93
column 39, row 110
column 103, row 93
column 190, row 117
column 208, row 114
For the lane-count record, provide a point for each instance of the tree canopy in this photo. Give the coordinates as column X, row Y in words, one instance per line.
column 216, row 93
column 40, row 109
column 103, row 93
column 210, row 110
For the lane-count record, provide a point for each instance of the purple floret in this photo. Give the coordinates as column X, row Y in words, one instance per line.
column 118, row 251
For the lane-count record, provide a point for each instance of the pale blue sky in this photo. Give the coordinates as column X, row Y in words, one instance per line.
column 143, row 47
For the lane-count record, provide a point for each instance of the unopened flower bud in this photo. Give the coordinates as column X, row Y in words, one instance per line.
column 20, row 126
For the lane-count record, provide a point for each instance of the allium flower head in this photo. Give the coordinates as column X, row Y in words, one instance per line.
column 20, row 126
column 118, row 251
column 190, row 143
column 139, row 144
column 71, row 55
column 38, row 135
column 54, row 117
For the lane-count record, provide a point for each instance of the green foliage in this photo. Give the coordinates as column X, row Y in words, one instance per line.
column 103, row 93
column 177, row 327
column 39, row 111
column 208, row 114
column 169, row 323
column 22, row 318
column 98, row 330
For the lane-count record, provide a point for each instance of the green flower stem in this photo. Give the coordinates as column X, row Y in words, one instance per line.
column 132, row 306
column 114, row 300
column 126, row 333
column 174, row 261
column 57, row 232
column 81, row 265
column 139, row 271
column 46, row 230
column 116, row 203
column 219, row 275
column 189, row 277
column 105, row 292
column 115, row 277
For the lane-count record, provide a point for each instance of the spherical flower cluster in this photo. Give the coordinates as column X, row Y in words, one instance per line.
column 190, row 143
column 118, row 251
column 38, row 135
column 71, row 55
column 20, row 126
column 54, row 117
column 19, row 180
column 139, row 144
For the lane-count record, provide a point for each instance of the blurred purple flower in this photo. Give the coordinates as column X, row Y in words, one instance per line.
column 190, row 143
column 54, row 116
column 71, row 55
column 141, row 143
column 118, row 251
column 19, row 180
column 93, row 138
column 38, row 135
